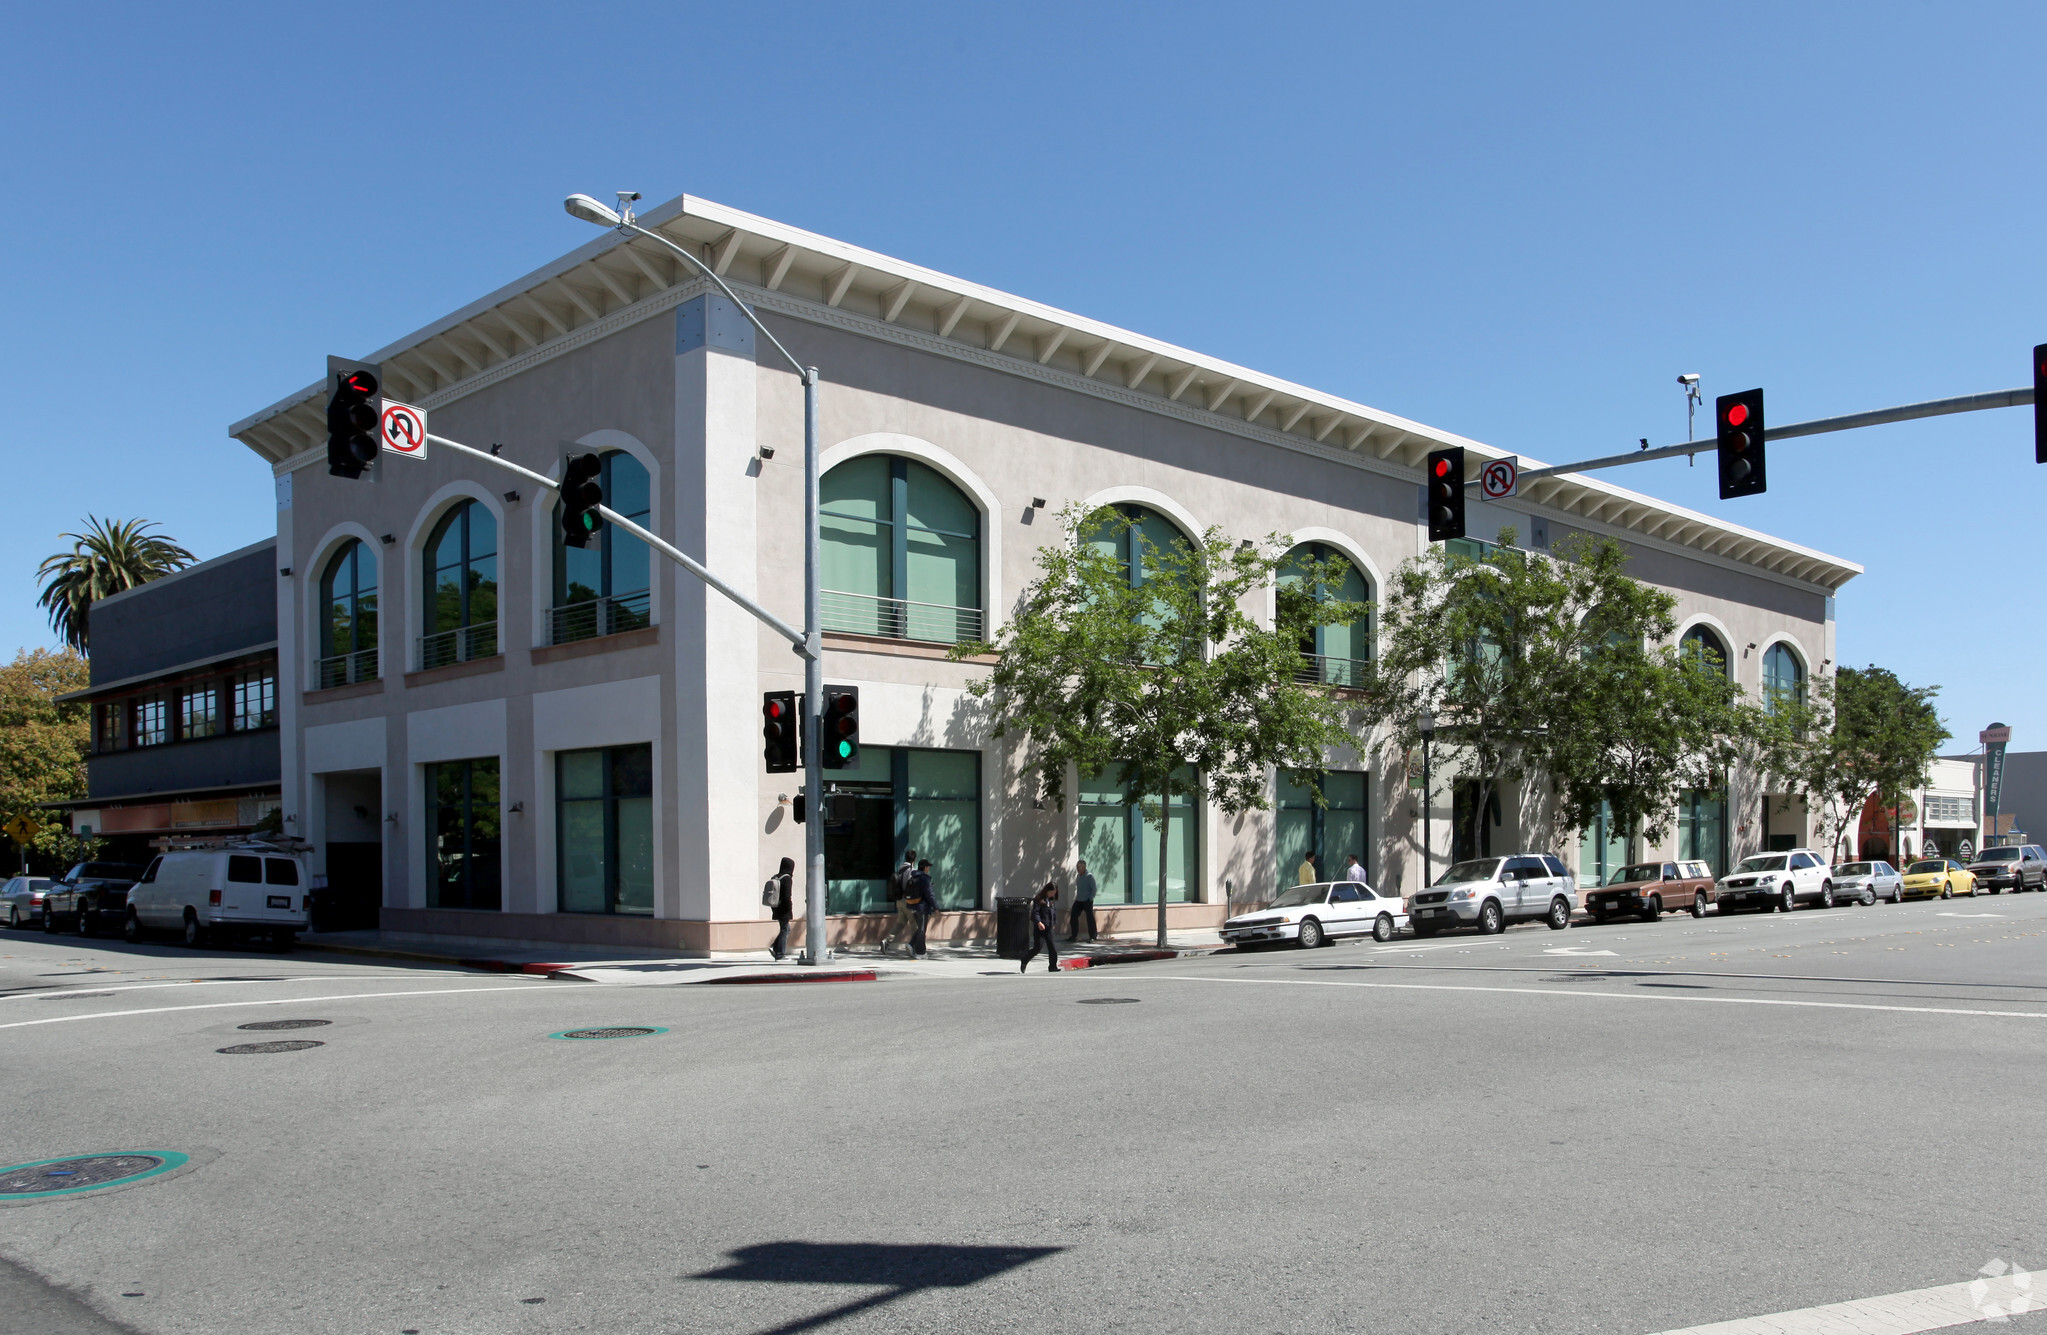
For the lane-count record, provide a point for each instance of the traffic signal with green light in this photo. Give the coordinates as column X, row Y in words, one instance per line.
column 840, row 735
column 581, row 495
column 1444, row 483
column 1740, row 417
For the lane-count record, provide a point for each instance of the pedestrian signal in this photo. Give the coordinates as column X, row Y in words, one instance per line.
column 1741, row 444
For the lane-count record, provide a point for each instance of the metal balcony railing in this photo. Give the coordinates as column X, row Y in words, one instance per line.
column 458, row 645
column 899, row 618
column 597, row 616
column 1322, row 670
column 348, row 669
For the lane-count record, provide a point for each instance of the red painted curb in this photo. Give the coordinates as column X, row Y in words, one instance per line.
column 837, row 976
column 544, row 968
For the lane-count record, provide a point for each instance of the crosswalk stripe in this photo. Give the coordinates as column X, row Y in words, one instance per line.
column 1993, row 1298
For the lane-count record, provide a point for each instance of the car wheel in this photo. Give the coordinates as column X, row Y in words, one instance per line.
column 1788, row 898
column 1599, row 916
column 1698, row 903
column 1311, row 934
column 1382, row 928
column 1654, row 909
column 195, row 935
column 1898, row 893
column 1490, row 920
column 1868, row 896
column 1827, row 895
column 85, row 926
column 1559, row 914
column 1947, row 889
column 131, row 928
column 49, row 921
column 14, row 916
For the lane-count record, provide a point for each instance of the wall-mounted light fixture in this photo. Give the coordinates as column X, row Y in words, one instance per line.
column 284, row 571
column 1037, row 502
column 391, row 819
column 388, row 540
column 512, row 496
column 767, row 451
column 517, row 808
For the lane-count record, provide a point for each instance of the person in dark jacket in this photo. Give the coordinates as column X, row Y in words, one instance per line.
column 923, row 900
column 1044, row 929
column 782, row 883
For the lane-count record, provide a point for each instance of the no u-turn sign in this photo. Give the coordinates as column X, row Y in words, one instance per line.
column 403, row 429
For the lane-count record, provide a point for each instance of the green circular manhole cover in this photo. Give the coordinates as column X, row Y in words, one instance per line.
column 61, row 1177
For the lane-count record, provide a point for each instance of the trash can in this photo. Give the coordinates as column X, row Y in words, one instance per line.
column 1012, row 926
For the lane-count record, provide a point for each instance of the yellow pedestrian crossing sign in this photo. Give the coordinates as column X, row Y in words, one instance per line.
column 21, row 829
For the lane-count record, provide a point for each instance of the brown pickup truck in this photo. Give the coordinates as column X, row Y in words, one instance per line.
column 1651, row 889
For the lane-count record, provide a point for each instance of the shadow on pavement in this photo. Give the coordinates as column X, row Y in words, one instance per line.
column 901, row 1269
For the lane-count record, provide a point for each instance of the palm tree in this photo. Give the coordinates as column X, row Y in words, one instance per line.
column 108, row 557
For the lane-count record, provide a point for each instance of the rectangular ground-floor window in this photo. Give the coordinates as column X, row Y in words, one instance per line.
column 1602, row 849
column 895, row 799
column 463, row 851
column 1702, row 827
column 1332, row 832
column 604, row 824
column 1122, row 847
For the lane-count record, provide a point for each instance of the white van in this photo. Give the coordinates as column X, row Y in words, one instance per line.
column 207, row 894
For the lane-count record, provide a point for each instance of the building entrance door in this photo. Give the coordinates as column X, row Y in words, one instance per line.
column 353, row 841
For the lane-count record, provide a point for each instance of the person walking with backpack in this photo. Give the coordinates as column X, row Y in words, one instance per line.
column 899, row 896
column 923, row 902
column 1044, row 925
column 779, row 895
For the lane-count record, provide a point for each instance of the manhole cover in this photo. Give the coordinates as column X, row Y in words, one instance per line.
column 615, row 1031
column 275, row 1045
column 269, row 1025
column 1108, row 1001
column 54, row 1177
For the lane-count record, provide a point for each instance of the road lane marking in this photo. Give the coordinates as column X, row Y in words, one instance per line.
column 1575, row 950
column 279, row 1001
column 1576, row 992
column 1634, row 970
column 1968, row 915
column 1994, row 1298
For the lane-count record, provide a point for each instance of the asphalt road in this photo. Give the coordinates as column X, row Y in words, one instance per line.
column 1719, row 1119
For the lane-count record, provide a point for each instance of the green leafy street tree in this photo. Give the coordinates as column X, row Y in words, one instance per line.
column 111, row 555
column 1158, row 668
column 1862, row 733
column 43, row 744
column 1550, row 668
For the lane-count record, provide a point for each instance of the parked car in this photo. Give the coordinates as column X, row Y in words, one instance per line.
column 1773, row 881
column 1650, row 889
column 1867, row 882
column 1316, row 914
column 22, row 899
column 90, row 896
column 2012, row 868
column 1489, row 893
column 1944, row 877
column 210, row 894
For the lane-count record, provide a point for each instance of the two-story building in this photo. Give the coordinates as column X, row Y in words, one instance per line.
column 564, row 744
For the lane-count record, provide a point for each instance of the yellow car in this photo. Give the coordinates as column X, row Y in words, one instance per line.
column 1944, row 877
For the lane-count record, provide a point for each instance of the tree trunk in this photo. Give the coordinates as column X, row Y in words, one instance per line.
column 1165, row 835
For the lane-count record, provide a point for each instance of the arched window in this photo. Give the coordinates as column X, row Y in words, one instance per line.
column 1783, row 677
column 901, row 552
column 348, row 617
column 603, row 588
column 1702, row 648
column 460, row 619
column 1136, row 542
column 1336, row 655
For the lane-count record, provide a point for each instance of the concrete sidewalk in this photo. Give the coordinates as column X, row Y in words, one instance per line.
column 644, row 967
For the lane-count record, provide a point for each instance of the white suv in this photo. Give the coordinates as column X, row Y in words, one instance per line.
column 1489, row 893
column 1772, row 881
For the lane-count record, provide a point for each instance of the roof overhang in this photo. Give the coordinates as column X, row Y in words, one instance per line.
column 810, row 276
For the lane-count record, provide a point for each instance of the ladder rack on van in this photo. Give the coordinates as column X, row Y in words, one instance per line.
column 183, row 843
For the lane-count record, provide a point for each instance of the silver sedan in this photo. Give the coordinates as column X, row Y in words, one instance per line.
column 1867, row 882
column 21, row 901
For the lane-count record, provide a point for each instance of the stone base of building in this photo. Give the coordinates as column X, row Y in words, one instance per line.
column 687, row 937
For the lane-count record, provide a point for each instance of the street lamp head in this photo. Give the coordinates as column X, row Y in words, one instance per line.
column 1428, row 723
column 589, row 210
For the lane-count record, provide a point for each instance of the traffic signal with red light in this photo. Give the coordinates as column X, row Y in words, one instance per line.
column 840, row 735
column 352, row 389
column 778, row 731
column 2040, row 404
column 1741, row 444
column 582, row 493
column 1444, row 484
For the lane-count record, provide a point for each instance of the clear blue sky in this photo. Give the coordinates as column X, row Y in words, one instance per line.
column 1516, row 222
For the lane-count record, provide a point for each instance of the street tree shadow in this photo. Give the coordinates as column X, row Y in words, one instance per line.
column 898, row 1269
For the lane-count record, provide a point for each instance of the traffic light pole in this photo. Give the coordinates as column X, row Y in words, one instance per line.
column 1967, row 403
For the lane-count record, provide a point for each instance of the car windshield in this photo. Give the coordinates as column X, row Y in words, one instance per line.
column 1998, row 855
column 1300, row 895
column 1763, row 862
column 1852, row 869
column 111, row 871
column 1478, row 869
column 1926, row 867
column 1646, row 871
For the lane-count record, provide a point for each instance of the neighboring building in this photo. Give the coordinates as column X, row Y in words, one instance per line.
column 2022, row 805
column 184, row 705
column 565, row 744
column 1942, row 819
